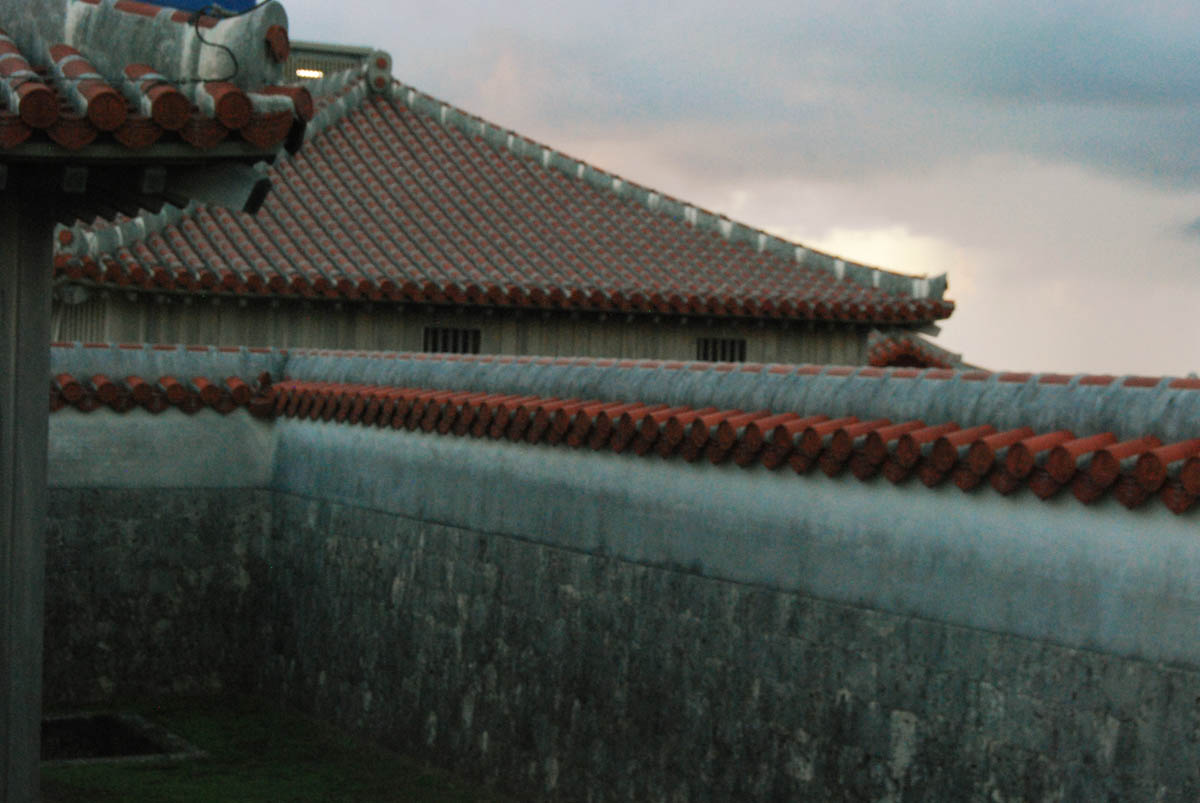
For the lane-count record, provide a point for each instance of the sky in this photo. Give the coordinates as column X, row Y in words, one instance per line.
column 1045, row 156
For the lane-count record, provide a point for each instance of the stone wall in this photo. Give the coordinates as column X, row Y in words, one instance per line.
column 581, row 626
column 579, row 676
column 152, row 591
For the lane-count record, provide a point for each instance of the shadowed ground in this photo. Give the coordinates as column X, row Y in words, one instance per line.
column 259, row 753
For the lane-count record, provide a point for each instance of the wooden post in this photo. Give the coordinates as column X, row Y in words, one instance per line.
column 26, row 229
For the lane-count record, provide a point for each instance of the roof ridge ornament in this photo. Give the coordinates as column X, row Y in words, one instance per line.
column 379, row 73
column 191, row 46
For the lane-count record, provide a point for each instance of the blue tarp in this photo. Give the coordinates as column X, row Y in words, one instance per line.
column 202, row 5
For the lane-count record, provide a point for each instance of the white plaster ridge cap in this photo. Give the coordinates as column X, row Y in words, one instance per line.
column 98, row 240
column 336, row 97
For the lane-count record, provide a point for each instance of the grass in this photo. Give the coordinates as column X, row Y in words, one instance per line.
column 259, row 753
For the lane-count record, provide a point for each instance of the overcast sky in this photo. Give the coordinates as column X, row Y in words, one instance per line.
column 1045, row 156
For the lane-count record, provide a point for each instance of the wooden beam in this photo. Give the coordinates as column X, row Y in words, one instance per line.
column 26, row 230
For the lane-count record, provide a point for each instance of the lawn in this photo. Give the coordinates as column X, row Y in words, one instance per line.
column 259, row 753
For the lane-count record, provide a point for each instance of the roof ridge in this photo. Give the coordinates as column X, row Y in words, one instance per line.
column 88, row 239
column 347, row 89
column 497, row 136
column 342, row 93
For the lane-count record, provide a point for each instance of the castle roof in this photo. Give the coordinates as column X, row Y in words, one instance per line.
column 400, row 197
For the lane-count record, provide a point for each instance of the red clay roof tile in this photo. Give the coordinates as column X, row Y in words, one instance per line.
column 1062, row 460
column 60, row 95
column 1025, row 455
column 1134, row 472
column 397, row 203
column 903, row 348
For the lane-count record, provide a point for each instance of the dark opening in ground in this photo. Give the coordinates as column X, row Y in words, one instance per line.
column 96, row 736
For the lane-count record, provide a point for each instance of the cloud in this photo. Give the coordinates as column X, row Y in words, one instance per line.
column 1054, row 267
column 899, row 249
column 843, row 89
column 1063, row 53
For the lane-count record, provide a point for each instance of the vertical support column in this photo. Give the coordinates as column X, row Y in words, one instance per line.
column 26, row 229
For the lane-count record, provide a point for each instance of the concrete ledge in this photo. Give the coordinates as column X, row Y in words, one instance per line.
column 104, row 449
column 1128, row 412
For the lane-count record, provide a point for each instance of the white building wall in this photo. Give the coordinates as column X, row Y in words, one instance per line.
column 142, row 318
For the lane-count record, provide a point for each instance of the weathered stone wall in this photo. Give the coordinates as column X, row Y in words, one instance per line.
column 575, row 625
column 579, row 676
column 152, row 591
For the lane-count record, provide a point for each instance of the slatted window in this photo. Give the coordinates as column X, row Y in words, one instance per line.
column 721, row 349
column 447, row 340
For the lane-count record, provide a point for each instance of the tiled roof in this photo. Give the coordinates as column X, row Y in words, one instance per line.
column 135, row 75
column 122, row 377
column 900, row 349
column 401, row 197
column 1090, row 467
column 654, row 408
column 189, row 394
